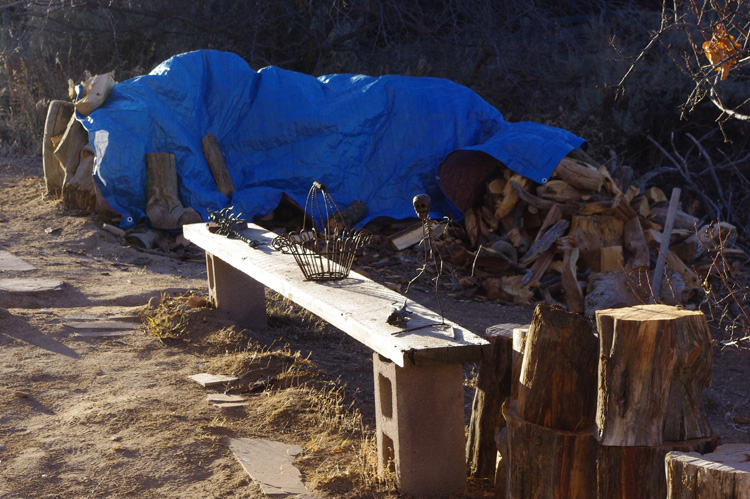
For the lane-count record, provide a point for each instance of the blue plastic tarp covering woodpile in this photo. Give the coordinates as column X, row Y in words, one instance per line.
column 375, row 139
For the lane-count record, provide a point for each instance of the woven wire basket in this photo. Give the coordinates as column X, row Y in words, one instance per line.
column 324, row 251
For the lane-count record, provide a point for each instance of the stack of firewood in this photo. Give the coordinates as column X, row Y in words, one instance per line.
column 580, row 241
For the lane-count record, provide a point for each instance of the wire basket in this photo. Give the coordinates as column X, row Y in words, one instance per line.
column 324, row 251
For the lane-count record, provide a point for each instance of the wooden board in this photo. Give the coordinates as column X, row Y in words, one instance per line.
column 356, row 305
column 11, row 262
column 102, row 334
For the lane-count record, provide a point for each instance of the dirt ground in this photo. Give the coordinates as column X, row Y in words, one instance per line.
column 118, row 417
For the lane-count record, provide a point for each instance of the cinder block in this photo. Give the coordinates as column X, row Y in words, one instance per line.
column 241, row 297
column 420, row 426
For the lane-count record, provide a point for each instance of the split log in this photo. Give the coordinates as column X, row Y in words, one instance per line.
column 654, row 195
column 681, row 219
column 510, row 195
column 593, row 233
column 579, row 175
column 573, row 293
column 725, row 472
column 95, row 91
column 548, row 463
column 543, row 204
column 68, row 151
column 611, row 259
column 639, row 472
column 557, row 384
column 519, row 347
column 614, row 290
column 546, row 241
column 215, row 160
column 79, row 190
column 493, row 387
column 655, row 362
column 636, row 245
column 164, row 209
column 560, row 191
column 58, row 116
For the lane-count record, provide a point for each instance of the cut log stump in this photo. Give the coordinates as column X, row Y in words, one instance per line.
column 548, row 463
column 655, row 361
column 58, row 117
column 725, row 472
column 557, row 386
column 164, row 209
column 638, row 472
column 493, row 388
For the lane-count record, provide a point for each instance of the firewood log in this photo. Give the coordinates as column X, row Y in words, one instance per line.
column 557, row 385
column 58, row 116
column 725, row 472
column 655, row 363
column 579, row 175
column 217, row 165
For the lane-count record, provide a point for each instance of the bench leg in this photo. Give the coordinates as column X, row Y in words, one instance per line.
column 420, row 426
column 234, row 292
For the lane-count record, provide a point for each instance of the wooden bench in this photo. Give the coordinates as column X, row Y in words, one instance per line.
column 418, row 376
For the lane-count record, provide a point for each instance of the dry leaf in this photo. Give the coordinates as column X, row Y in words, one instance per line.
column 721, row 46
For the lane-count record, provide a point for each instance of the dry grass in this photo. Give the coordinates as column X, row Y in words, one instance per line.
column 291, row 399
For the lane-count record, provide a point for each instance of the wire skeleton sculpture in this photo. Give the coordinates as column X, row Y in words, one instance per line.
column 432, row 256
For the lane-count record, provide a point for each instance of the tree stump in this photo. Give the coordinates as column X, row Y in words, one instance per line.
column 164, row 209
column 655, row 361
column 638, row 472
column 549, row 463
column 725, row 472
column 215, row 160
column 557, row 387
column 58, row 116
column 493, row 388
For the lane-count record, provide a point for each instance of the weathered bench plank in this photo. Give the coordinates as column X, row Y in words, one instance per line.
column 356, row 305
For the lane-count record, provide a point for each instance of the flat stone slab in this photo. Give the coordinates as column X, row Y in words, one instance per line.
column 269, row 464
column 223, row 398
column 30, row 286
column 205, row 379
column 12, row 262
column 110, row 325
column 102, row 334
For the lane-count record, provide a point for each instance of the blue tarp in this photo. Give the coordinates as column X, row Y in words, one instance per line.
column 379, row 140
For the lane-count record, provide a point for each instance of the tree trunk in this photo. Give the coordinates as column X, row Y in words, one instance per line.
column 557, row 386
column 655, row 363
column 58, row 116
column 725, row 472
column 164, row 209
column 638, row 472
column 548, row 463
column 493, row 387
column 217, row 164
column 79, row 190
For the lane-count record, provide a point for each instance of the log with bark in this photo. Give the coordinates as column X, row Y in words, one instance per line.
column 549, row 463
column 557, row 383
column 639, row 472
column 655, row 361
column 724, row 472
column 492, row 389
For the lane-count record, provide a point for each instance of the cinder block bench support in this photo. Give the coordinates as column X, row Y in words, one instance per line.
column 420, row 426
column 418, row 375
column 239, row 295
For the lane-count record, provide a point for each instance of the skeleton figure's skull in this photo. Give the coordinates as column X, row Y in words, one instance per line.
column 422, row 205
